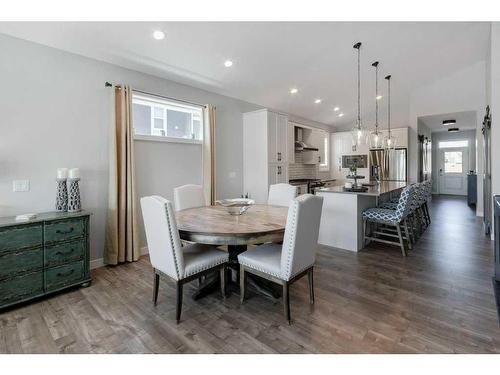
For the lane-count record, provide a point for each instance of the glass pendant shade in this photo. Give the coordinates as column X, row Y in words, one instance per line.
column 376, row 140
column 389, row 142
column 358, row 136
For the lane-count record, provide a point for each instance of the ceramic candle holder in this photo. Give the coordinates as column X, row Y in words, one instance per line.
column 62, row 195
column 74, row 203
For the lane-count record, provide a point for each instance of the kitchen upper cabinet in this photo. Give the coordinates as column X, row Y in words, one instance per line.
column 401, row 135
column 277, row 142
column 266, row 146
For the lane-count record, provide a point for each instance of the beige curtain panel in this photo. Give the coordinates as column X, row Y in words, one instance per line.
column 122, row 237
column 209, row 153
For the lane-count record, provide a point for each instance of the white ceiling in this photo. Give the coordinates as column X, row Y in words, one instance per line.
column 272, row 57
column 465, row 120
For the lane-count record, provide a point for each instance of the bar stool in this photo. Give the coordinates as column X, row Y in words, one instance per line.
column 391, row 217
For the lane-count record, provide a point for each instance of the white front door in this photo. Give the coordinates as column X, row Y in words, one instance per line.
column 453, row 167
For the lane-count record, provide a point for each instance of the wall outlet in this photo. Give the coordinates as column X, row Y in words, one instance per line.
column 21, row 185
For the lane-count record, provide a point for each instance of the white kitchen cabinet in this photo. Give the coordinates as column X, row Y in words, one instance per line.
column 278, row 174
column 277, row 141
column 266, row 146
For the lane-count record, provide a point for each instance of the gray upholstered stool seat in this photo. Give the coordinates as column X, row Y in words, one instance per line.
column 265, row 258
column 391, row 217
column 198, row 258
column 389, row 205
column 381, row 215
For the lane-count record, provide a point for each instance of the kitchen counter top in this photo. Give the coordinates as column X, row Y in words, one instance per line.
column 375, row 191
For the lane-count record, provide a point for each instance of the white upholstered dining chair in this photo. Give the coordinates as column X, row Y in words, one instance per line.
column 189, row 196
column 281, row 194
column 169, row 258
column 286, row 263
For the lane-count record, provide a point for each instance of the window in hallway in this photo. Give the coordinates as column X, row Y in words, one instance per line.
column 453, row 162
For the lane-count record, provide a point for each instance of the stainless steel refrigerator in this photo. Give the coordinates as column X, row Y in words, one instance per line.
column 389, row 165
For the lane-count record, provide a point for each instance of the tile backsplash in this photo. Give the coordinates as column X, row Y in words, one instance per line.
column 299, row 170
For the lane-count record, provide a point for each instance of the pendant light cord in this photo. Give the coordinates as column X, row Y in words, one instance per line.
column 388, row 78
column 359, row 88
column 375, row 64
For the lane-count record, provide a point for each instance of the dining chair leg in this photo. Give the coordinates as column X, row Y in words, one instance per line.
column 286, row 301
column 178, row 307
column 401, row 243
column 156, row 286
column 407, row 233
column 242, row 283
column 223, row 281
column 310, row 277
column 365, row 225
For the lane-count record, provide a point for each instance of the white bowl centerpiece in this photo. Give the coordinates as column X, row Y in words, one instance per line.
column 236, row 206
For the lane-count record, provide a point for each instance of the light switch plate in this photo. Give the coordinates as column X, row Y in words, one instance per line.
column 21, row 185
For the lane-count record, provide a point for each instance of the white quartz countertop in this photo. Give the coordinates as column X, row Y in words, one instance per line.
column 385, row 187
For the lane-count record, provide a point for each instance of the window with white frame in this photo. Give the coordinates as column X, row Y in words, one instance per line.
column 324, row 165
column 454, row 144
column 155, row 117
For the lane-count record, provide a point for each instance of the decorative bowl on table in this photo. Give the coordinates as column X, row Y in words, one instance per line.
column 237, row 206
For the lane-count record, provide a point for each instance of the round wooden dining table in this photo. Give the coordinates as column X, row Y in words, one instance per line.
column 213, row 225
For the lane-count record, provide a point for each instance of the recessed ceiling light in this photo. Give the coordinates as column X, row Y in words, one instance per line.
column 317, row 101
column 449, row 122
column 336, row 109
column 294, row 91
column 341, row 114
column 379, row 97
column 453, row 130
column 228, row 63
column 159, row 35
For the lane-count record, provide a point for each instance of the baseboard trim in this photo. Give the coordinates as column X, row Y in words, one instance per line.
column 98, row 263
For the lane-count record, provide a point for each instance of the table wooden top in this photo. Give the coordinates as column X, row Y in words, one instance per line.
column 214, row 225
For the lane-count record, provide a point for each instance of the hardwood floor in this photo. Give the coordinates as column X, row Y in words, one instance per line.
column 437, row 300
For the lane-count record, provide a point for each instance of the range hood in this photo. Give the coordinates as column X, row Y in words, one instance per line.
column 300, row 145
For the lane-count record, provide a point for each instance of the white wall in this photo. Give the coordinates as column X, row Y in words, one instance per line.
column 469, row 135
column 495, row 107
column 464, row 90
column 55, row 111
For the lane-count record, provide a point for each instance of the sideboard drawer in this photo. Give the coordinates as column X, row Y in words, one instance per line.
column 66, row 252
column 16, row 238
column 64, row 230
column 21, row 288
column 18, row 263
column 59, row 277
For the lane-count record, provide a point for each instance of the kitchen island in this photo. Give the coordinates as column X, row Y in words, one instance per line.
column 341, row 220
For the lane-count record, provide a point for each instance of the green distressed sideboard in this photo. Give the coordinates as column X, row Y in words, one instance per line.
column 44, row 255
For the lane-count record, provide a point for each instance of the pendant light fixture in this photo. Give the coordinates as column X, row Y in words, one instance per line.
column 376, row 137
column 389, row 141
column 357, row 132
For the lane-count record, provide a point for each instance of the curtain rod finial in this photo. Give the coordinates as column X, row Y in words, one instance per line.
column 107, row 84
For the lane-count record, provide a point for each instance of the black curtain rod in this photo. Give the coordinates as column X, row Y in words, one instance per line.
column 109, row 84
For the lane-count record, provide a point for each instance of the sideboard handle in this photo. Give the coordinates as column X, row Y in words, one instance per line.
column 65, row 253
column 64, row 274
column 65, row 231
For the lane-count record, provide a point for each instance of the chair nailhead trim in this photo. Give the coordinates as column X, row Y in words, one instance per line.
column 172, row 242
